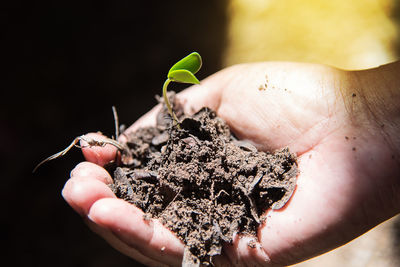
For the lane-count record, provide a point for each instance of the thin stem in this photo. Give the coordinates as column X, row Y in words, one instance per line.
column 170, row 111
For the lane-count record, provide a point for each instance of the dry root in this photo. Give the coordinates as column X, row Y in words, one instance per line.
column 90, row 143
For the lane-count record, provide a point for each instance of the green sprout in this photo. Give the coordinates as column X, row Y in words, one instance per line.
column 182, row 72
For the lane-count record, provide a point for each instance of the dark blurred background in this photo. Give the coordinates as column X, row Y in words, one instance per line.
column 66, row 64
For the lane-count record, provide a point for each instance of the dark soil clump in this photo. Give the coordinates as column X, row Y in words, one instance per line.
column 201, row 182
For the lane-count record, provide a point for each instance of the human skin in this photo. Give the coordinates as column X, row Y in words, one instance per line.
column 343, row 126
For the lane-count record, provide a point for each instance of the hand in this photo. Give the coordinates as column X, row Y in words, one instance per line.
column 348, row 153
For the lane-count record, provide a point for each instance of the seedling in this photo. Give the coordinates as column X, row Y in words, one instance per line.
column 182, row 72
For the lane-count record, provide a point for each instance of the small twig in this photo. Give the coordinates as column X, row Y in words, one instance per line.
column 219, row 193
column 253, row 208
column 255, row 181
column 169, row 204
column 212, row 191
column 116, row 122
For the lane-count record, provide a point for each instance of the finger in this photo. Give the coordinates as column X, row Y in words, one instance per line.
column 149, row 237
column 245, row 250
column 122, row 246
column 97, row 154
column 88, row 183
column 89, row 170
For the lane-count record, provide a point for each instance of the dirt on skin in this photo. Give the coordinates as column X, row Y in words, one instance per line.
column 201, row 182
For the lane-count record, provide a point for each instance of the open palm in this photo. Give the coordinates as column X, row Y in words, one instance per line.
column 348, row 180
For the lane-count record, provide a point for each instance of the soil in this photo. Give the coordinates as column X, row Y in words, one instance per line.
column 202, row 182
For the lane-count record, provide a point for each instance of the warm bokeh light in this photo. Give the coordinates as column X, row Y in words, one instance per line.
column 341, row 33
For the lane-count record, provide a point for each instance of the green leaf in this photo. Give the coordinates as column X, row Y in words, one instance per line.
column 183, row 71
column 182, row 76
